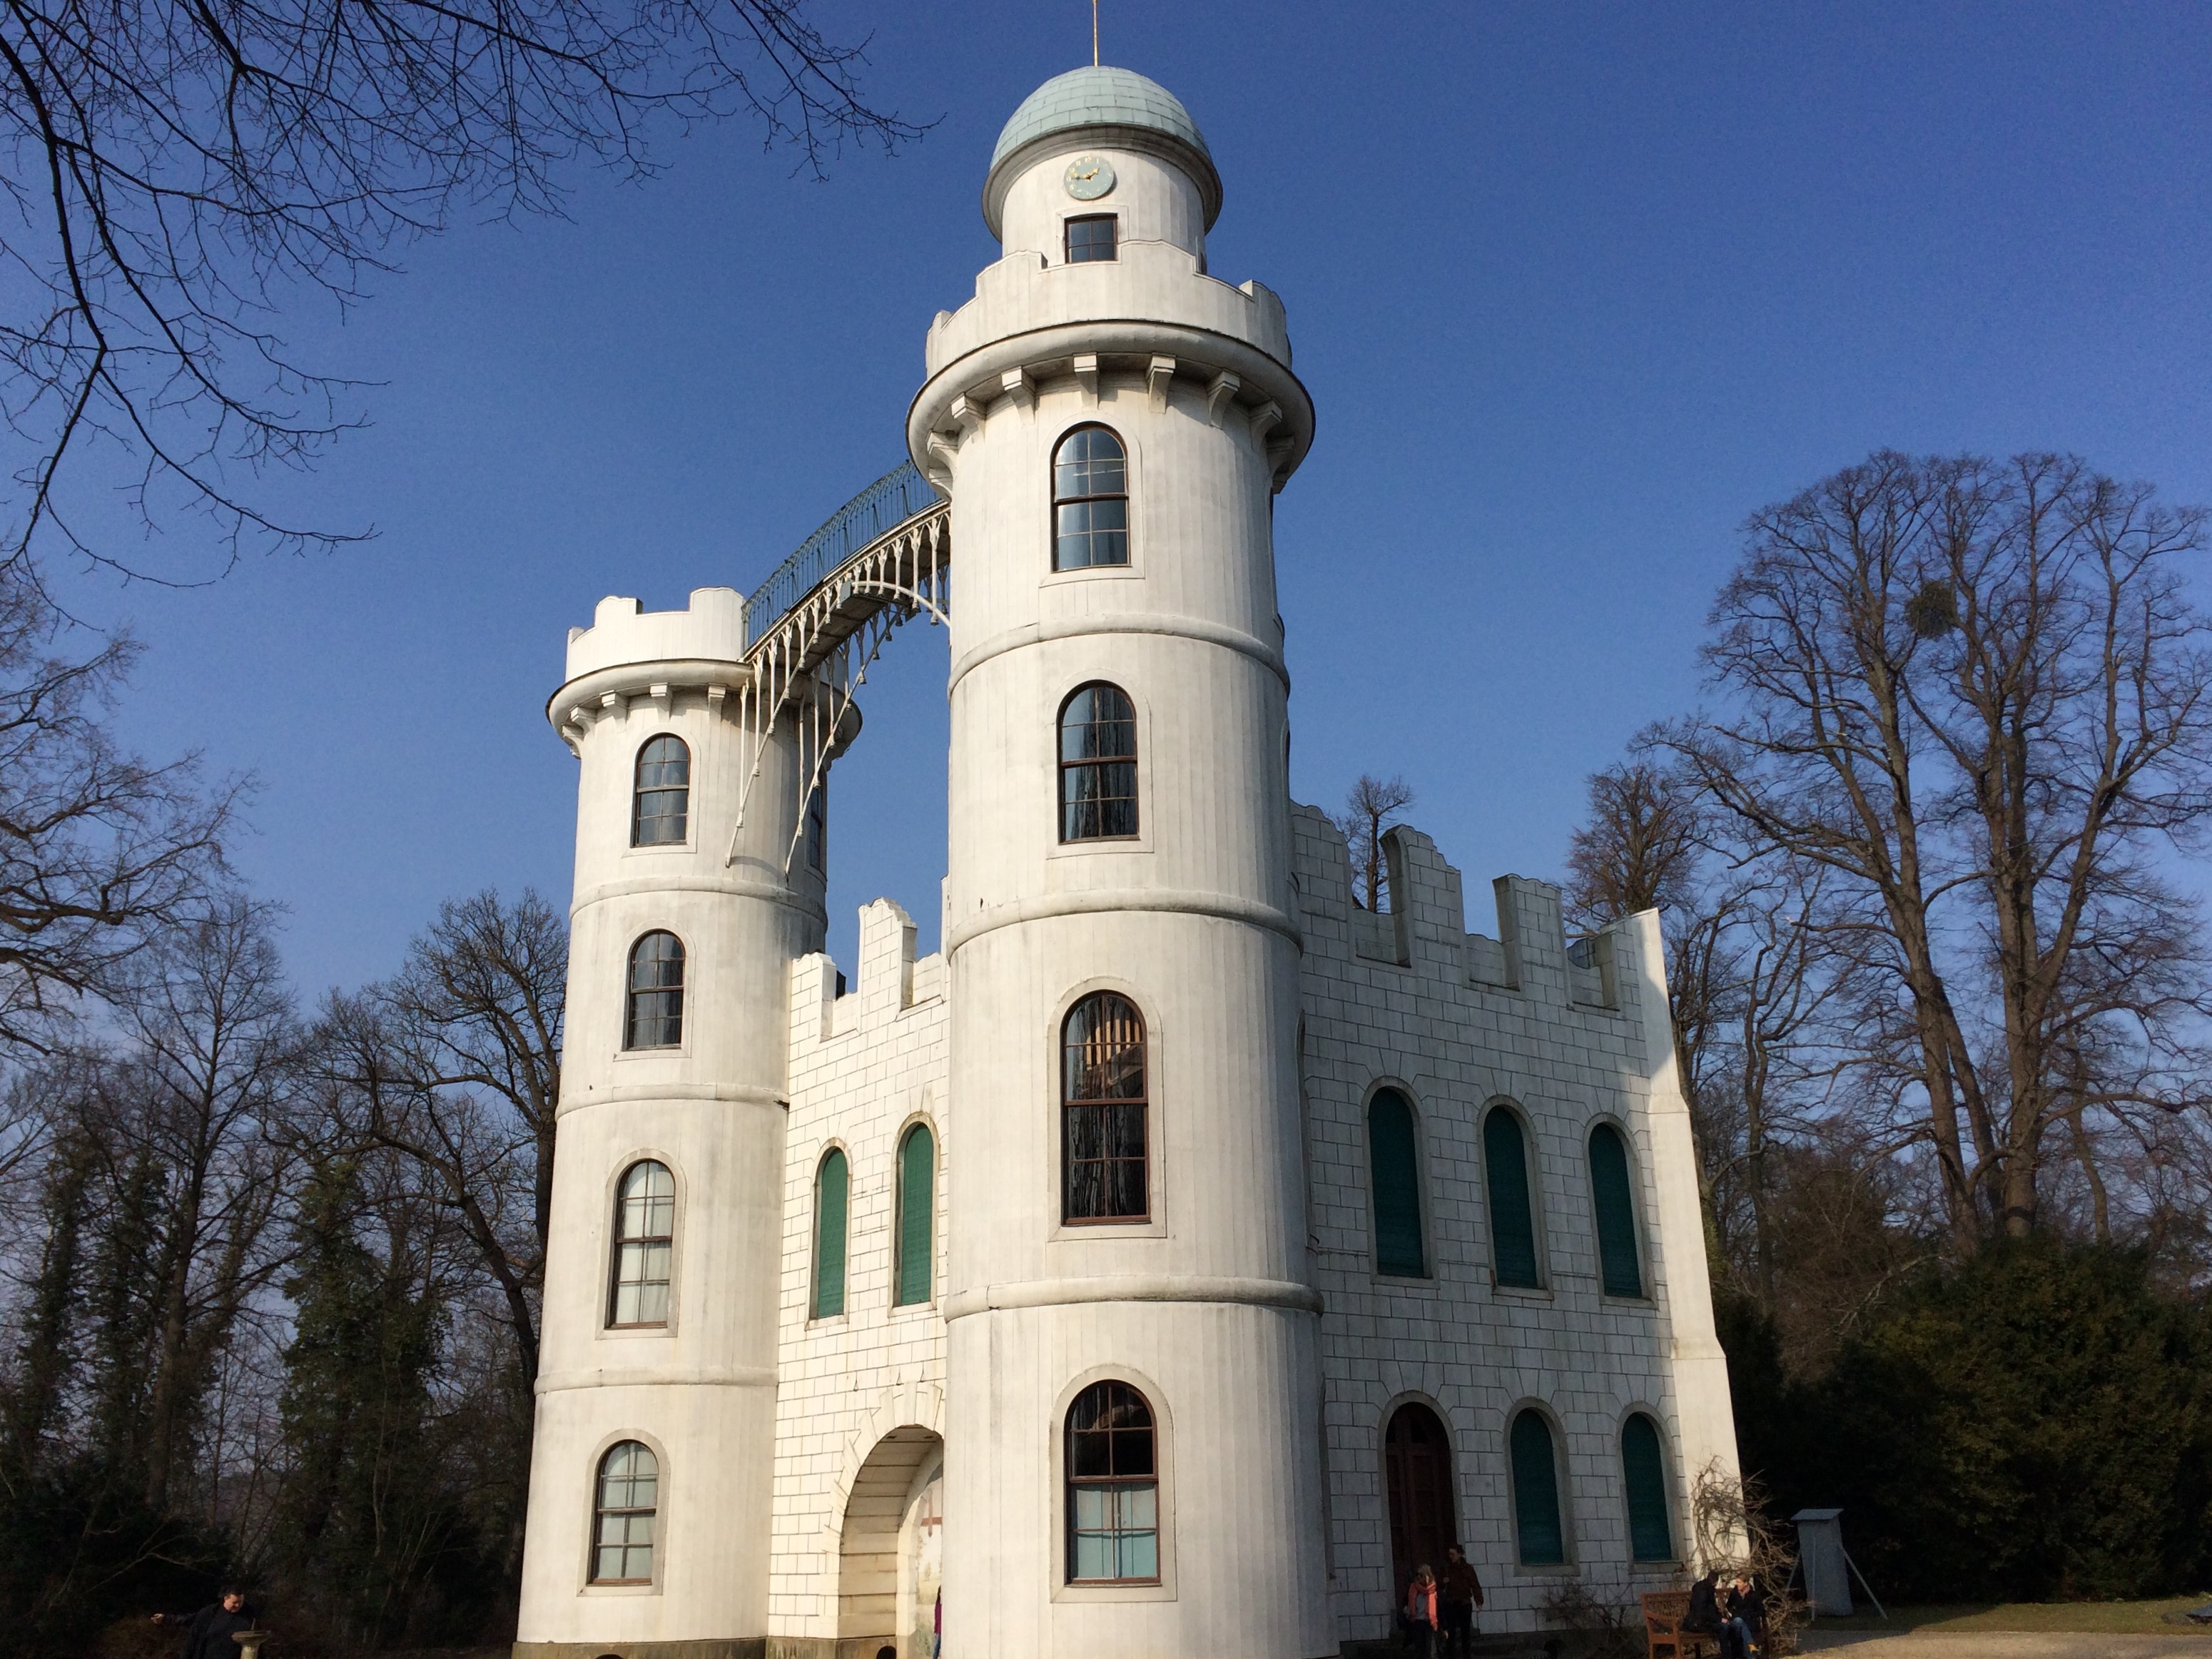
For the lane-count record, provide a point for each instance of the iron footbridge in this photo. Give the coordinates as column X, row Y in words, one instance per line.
column 814, row 628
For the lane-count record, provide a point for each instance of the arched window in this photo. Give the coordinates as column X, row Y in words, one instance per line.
column 1417, row 1470
column 1618, row 1266
column 1103, row 1176
column 660, row 806
column 1394, row 1167
column 831, row 1182
column 1097, row 764
column 645, row 1239
column 1541, row 1539
column 1089, row 501
column 1643, row 1473
column 917, row 1189
column 1512, row 1217
column 655, row 1016
column 628, row 1493
column 1112, row 1488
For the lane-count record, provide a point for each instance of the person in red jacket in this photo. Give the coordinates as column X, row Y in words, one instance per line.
column 1462, row 1594
column 1421, row 1612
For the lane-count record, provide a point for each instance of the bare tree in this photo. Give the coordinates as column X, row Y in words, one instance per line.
column 1370, row 806
column 98, row 851
column 1976, row 694
column 181, row 172
column 455, row 1064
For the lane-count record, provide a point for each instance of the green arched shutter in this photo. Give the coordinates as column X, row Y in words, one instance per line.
column 916, row 1209
column 1512, row 1221
column 1536, row 1493
column 830, row 1184
column 1616, row 1213
column 1644, row 1473
column 1395, row 1168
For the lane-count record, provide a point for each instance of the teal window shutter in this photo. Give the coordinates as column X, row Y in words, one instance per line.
column 1536, row 1493
column 832, row 1181
column 1644, row 1473
column 917, row 1190
column 1395, row 1165
column 1622, row 1273
column 1512, row 1220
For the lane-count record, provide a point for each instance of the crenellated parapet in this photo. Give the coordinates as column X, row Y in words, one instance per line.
column 1424, row 932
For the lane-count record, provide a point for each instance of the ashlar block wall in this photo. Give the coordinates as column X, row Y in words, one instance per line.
column 1455, row 1021
column 864, row 1066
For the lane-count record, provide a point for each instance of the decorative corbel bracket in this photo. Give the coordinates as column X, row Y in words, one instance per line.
column 1159, row 376
column 1265, row 419
column 1086, row 374
column 659, row 695
column 1017, row 386
column 1220, row 394
column 968, row 412
column 939, row 459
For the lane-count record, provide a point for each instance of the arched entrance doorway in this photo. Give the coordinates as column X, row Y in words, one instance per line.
column 891, row 1549
column 1417, row 1468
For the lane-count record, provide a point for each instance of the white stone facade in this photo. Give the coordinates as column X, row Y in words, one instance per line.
column 820, row 1472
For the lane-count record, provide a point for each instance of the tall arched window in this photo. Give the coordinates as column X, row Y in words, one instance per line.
column 1512, row 1217
column 1643, row 1473
column 1112, row 1488
column 654, row 1019
column 660, row 806
column 1089, row 501
column 627, row 1497
column 1417, row 1470
column 645, row 1240
column 1102, row 1175
column 1618, row 1268
column 1394, row 1165
column 832, row 1182
column 917, row 1191
column 1097, row 764
column 1540, row 1538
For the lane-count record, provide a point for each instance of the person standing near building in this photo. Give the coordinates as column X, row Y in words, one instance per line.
column 208, row 1632
column 1461, row 1595
column 1421, row 1611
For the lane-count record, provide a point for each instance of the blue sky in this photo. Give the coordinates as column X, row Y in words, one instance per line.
column 1576, row 288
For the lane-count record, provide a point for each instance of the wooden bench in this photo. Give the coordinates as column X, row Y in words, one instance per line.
column 1663, row 1612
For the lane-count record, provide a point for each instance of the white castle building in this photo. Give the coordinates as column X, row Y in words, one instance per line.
column 1186, row 1253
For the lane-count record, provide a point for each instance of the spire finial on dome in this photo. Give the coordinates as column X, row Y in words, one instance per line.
column 1094, row 34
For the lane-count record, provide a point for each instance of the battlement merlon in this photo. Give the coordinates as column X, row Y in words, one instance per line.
column 888, row 981
column 1426, row 930
column 629, row 651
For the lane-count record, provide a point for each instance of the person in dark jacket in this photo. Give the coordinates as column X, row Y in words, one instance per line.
column 1461, row 1595
column 1743, row 1632
column 1704, row 1618
column 208, row 1632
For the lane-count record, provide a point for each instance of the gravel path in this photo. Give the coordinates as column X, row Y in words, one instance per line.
column 2004, row 1644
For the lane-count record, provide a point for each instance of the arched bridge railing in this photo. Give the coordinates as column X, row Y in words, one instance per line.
column 813, row 629
column 901, row 493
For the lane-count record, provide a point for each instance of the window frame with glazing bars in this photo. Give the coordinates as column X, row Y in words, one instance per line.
column 1085, row 776
column 601, row 1511
column 1110, row 1112
column 655, row 1207
column 658, row 789
column 1089, row 493
column 667, row 1020
column 1090, row 254
column 1114, row 1483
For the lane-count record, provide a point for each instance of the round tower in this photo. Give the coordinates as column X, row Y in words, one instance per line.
column 1133, row 1378
column 651, row 1476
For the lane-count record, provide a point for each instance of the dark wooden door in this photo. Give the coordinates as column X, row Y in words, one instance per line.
column 1417, row 1466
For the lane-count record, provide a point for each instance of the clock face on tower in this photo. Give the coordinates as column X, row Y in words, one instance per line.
column 1090, row 177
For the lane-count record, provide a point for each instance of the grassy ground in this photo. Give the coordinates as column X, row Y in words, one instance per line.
column 2103, row 1618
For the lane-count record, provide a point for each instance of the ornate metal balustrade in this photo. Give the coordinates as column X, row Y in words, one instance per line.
column 814, row 628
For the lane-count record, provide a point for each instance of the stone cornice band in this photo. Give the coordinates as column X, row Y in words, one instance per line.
column 1134, row 1287
column 1223, row 907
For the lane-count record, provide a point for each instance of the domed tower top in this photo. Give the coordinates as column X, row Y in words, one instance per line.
column 1109, row 107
